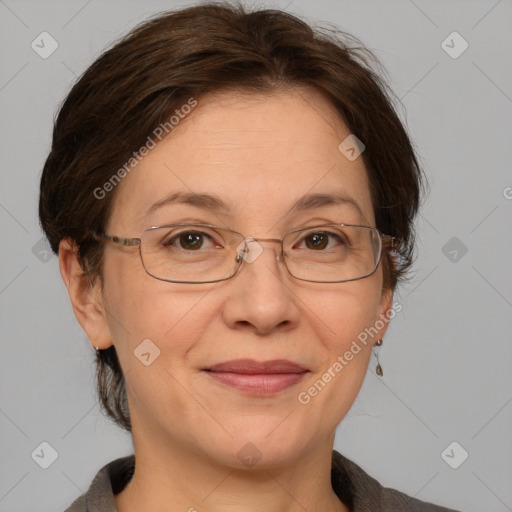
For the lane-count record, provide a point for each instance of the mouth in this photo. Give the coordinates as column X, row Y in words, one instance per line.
column 258, row 378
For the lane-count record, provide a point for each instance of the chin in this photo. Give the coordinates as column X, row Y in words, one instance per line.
column 259, row 450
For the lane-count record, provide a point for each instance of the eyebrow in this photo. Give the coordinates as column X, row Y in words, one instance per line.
column 205, row 201
column 310, row 201
column 216, row 204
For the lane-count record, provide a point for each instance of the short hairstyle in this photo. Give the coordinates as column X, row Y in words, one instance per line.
column 139, row 82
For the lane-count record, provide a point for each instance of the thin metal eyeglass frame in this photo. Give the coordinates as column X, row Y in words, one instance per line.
column 137, row 241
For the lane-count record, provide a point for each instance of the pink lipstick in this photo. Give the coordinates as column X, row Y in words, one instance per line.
column 258, row 378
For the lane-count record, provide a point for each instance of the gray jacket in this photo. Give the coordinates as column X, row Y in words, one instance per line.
column 355, row 488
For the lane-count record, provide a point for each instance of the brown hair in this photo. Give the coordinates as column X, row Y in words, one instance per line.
column 135, row 86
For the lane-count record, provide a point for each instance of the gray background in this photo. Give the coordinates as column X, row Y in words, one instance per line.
column 447, row 357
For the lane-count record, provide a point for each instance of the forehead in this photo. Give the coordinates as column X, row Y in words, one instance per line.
column 258, row 153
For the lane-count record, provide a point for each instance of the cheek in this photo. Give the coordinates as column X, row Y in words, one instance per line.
column 138, row 306
column 345, row 313
column 157, row 316
column 342, row 322
column 142, row 308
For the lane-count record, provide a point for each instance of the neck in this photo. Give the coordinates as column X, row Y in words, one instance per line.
column 180, row 479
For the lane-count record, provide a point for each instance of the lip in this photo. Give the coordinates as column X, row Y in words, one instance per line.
column 252, row 367
column 258, row 378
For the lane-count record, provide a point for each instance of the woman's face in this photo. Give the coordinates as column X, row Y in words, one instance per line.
column 259, row 154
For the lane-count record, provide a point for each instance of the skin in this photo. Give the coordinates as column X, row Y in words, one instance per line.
column 259, row 153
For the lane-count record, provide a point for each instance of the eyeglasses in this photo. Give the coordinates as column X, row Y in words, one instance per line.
column 204, row 253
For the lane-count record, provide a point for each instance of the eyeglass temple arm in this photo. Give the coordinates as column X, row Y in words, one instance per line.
column 124, row 242
column 392, row 241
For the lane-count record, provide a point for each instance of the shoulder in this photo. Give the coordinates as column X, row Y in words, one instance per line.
column 366, row 493
column 79, row 505
column 109, row 480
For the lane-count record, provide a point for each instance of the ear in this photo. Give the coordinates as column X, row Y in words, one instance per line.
column 86, row 297
column 384, row 312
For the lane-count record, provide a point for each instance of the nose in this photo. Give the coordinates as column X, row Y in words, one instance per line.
column 261, row 297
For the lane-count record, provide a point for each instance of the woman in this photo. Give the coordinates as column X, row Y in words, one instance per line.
column 231, row 196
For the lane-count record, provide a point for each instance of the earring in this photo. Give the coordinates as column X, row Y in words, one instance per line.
column 378, row 368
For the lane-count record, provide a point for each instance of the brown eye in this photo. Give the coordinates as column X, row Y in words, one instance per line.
column 317, row 241
column 189, row 241
column 322, row 241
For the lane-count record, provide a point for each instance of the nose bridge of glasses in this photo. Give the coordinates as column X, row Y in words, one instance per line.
column 252, row 239
column 250, row 248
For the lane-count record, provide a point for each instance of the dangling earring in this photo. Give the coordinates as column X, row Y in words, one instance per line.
column 378, row 368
